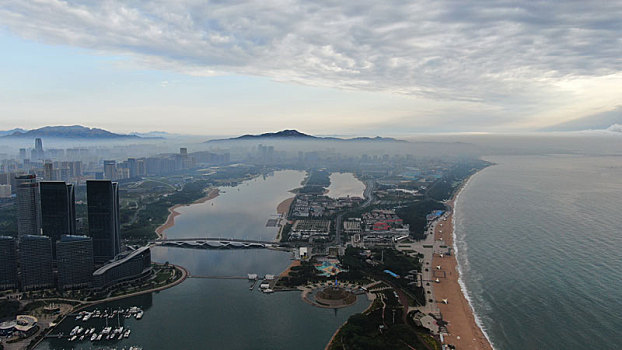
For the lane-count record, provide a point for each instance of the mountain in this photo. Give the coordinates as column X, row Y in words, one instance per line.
column 69, row 132
column 154, row 134
column 284, row 134
column 295, row 135
column 9, row 132
column 374, row 139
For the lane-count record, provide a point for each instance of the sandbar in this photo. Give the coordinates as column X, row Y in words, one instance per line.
column 170, row 220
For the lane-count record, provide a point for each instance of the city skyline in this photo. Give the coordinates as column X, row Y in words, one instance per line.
column 342, row 68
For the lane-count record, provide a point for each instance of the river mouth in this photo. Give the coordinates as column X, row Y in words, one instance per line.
column 222, row 313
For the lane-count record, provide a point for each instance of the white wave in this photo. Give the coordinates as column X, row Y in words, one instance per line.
column 462, row 268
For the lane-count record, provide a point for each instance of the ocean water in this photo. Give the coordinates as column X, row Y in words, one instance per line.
column 539, row 242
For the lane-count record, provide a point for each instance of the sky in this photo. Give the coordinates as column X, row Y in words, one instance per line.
column 327, row 67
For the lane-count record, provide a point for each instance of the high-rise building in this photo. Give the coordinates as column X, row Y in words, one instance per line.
column 5, row 191
column 8, row 263
column 28, row 212
column 58, row 210
column 35, row 261
column 48, row 171
column 38, row 144
column 22, row 154
column 140, row 167
column 133, row 169
column 75, row 261
column 103, row 213
column 38, row 153
column 75, row 168
column 110, row 169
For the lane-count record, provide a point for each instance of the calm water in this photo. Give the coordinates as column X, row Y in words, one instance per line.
column 238, row 212
column 224, row 314
column 345, row 184
column 539, row 241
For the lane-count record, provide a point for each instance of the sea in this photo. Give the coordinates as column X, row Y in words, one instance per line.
column 539, row 245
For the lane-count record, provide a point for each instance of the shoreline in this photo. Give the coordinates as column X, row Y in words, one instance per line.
column 330, row 342
column 283, row 210
column 87, row 304
column 464, row 328
column 170, row 219
column 284, row 206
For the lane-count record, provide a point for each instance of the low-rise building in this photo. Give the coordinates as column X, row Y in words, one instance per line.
column 304, row 229
column 352, row 226
column 23, row 325
column 126, row 268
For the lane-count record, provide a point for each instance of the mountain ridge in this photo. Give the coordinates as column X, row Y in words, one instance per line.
column 69, row 132
column 295, row 135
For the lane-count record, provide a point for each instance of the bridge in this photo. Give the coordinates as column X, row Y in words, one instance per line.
column 216, row 243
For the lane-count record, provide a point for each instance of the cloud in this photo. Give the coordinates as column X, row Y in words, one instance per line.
column 508, row 55
column 615, row 128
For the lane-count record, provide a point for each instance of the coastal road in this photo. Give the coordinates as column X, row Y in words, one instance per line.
column 429, row 247
column 338, row 225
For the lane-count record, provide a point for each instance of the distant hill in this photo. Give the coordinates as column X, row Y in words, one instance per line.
column 154, row 134
column 295, row 135
column 284, row 134
column 9, row 132
column 69, row 132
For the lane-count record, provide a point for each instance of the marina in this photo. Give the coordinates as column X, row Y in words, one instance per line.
column 106, row 333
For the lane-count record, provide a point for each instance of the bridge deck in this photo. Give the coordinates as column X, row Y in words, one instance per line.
column 216, row 239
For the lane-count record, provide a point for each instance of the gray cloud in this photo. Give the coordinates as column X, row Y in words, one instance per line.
column 501, row 53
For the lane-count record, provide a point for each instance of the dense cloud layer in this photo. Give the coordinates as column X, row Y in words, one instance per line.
column 435, row 48
column 503, row 53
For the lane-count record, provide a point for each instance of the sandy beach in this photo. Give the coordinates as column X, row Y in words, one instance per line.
column 170, row 220
column 464, row 333
column 283, row 207
column 289, row 268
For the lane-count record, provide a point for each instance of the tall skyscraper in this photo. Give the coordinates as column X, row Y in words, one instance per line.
column 58, row 210
column 103, row 213
column 28, row 210
column 35, row 261
column 38, row 145
column 75, row 261
column 38, row 152
column 8, row 263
